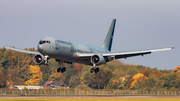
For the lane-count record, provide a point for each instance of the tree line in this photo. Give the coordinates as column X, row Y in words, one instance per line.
column 19, row 69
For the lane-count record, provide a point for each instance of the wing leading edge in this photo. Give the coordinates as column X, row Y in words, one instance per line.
column 123, row 54
column 21, row 50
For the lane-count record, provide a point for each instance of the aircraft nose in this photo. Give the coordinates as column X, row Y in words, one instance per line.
column 39, row 47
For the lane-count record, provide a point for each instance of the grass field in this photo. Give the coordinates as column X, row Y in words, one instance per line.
column 89, row 99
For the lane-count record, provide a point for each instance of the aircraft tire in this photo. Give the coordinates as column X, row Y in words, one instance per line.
column 92, row 70
column 63, row 69
column 59, row 69
column 97, row 70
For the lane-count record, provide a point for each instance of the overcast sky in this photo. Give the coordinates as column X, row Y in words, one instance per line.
column 140, row 25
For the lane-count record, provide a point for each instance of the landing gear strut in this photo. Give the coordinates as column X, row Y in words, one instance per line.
column 61, row 69
column 94, row 69
column 46, row 60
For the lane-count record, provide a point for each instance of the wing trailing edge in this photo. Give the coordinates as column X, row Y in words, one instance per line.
column 134, row 53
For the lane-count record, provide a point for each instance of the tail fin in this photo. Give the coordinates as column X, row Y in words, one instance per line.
column 109, row 37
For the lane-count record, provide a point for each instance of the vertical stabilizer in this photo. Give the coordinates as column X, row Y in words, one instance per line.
column 109, row 37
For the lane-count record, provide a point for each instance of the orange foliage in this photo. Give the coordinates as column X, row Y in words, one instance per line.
column 123, row 79
column 78, row 67
column 138, row 76
column 157, row 75
column 176, row 70
column 56, row 77
column 129, row 83
column 36, row 75
column 115, row 82
column 7, row 84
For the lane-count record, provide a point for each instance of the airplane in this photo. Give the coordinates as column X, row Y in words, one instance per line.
column 65, row 51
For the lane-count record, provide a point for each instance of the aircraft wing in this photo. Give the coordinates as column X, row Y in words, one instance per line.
column 122, row 54
column 135, row 53
column 23, row 51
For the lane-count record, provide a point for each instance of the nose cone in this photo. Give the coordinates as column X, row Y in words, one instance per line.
column 44, row 48
column 39, row 46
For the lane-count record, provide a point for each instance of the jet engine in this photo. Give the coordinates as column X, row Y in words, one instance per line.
column 98, row 59
column 38, row 59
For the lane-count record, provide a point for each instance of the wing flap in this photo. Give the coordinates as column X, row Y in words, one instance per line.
column 130, row 55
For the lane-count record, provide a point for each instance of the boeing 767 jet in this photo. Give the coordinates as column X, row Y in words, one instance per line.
column 65, row 51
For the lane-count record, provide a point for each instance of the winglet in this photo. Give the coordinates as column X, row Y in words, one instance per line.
column 109, row 37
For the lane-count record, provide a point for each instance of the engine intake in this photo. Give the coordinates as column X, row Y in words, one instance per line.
column 38, row 59
column 98, row 59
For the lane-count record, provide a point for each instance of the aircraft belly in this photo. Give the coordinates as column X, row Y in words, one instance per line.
column 72, row 59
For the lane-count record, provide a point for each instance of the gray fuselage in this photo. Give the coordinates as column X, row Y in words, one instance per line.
column 66, row 50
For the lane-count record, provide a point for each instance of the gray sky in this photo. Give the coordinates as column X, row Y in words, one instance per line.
column 140, row 25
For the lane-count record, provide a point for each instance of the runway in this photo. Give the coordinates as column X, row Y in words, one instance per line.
column 90, row 96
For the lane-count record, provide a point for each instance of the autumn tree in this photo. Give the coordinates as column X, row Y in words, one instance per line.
column 176, row 70
column 151, row 82
column 74, row 81
column 170, row 80
column 85, row 78
column 101, row 79
column 78, row 67
column 35, row 77
column 56, row 77
column 2, row 76
column 70, row 72
column 14, row 74
column 135, row 78
column 48, row 69
column 115, row 84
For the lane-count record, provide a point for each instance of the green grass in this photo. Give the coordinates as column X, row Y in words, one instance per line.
column 89, row 99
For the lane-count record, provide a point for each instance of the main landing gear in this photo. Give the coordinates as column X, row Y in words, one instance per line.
column 61, row 69
column 94, row 69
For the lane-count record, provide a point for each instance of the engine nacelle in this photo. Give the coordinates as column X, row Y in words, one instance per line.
column 98, row 59
column 38, row 59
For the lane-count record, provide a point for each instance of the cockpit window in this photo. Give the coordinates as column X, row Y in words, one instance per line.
column 44, row 41
column 40, row 42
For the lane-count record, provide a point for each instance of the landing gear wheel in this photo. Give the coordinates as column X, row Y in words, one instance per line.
column 63, row 69
column 92, row 70
column 96, row 70
column 59, row 69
